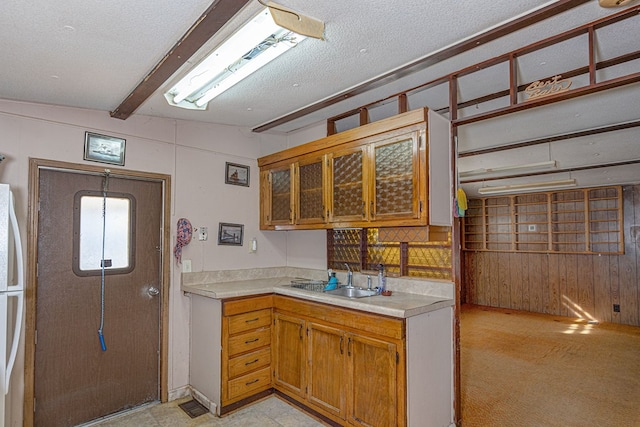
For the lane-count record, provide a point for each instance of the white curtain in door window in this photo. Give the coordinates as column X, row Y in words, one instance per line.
column 117, row 230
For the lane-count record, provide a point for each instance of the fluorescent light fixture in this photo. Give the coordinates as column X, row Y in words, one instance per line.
column 296, row 22
column 259, row 42
column 551, row 164
column 534, row 186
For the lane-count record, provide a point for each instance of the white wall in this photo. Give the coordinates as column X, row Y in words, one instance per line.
column 306, row 249
column 194, row 154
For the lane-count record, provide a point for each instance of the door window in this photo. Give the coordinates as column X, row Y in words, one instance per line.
column 119, row 227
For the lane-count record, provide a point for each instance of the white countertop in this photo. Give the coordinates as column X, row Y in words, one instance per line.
column 399, row 304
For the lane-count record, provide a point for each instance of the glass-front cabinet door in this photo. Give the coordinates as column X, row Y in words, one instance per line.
column 310, row 191
column 278, row 192
column 348, row 185
column 395, row 192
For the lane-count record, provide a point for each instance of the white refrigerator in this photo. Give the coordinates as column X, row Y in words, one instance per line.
column 11, row 295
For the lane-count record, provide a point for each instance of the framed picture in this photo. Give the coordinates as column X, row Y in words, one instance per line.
column 104, row 149
column 236, row 174
column 230, row 234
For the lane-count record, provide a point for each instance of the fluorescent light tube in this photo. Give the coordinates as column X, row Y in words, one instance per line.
column 551, row 164
column 250, row 67
column 534, row 186
column 251, row 47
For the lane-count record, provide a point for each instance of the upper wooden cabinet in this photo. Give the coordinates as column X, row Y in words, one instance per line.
column 377, row 182
column 374, row 175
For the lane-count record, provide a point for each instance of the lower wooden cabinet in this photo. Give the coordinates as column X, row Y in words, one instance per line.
column 289, row 354
column 246, row 348
column 327, row 368
column 355, row 368
column 372, row 381
column 352, row 370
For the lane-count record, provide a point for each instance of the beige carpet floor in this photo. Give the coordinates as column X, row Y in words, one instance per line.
column 524, row 369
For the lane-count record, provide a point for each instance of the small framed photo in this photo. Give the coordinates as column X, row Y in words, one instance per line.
column 230, row 234
column 236, row 174
column 104, row 149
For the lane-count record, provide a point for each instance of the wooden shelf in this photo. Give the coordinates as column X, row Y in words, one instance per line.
column 558, row 220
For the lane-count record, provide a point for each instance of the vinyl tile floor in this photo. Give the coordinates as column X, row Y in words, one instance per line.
column 269, row 412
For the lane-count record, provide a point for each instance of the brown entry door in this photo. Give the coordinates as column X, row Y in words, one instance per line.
column 75, row 380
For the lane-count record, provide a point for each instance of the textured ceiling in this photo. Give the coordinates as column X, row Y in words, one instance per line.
column 93, row 53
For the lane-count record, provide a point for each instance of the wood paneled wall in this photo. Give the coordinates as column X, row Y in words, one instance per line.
column 563, row 284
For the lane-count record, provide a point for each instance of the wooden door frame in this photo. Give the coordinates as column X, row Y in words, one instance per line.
column 35, row 165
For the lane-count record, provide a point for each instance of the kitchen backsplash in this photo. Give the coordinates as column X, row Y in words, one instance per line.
column 432, row 287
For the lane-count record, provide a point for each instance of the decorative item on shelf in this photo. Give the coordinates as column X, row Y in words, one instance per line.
column 542, row 88
column 230, row 234
column 236, row 174
column 184, row 232
column 104, row 149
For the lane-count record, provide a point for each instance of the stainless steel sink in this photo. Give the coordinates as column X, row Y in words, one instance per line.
column 319, row 285
column 352, row 292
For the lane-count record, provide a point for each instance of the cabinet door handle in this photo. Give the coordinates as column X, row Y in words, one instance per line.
column 371, row 211
column 300, row 331
column 250, row 341
column 252, row 382
column 364, row 209
column 341, row 345
column 349, row 347
column 251, row 363
column 322, row 214
column 252, row 320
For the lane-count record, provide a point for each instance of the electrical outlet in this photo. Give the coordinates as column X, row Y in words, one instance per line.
column 186, row 266
column 616, row 308
column 203, row 233
column 532, row 227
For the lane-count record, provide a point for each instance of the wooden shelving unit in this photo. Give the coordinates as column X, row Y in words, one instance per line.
column 574, row 221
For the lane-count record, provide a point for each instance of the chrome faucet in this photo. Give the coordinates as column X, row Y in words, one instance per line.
column 349, row 276
column 368, row 282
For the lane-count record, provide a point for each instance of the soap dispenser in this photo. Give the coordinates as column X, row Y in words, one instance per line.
column 333, row 282
column 382, row 279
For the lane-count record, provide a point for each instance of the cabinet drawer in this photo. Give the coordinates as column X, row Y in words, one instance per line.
column 249, row 362
column 249, row 341
column 252, row 320
column 248, row 383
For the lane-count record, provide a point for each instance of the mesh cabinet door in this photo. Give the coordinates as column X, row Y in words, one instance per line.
column 280, row 181
column 396, row 179
column 310, row 204
column 348, row 187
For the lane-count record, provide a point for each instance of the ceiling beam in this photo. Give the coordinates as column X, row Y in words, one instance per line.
column 464, row 46
column 209, row 23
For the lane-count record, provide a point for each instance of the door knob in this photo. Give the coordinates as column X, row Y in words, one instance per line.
column 153, row 291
